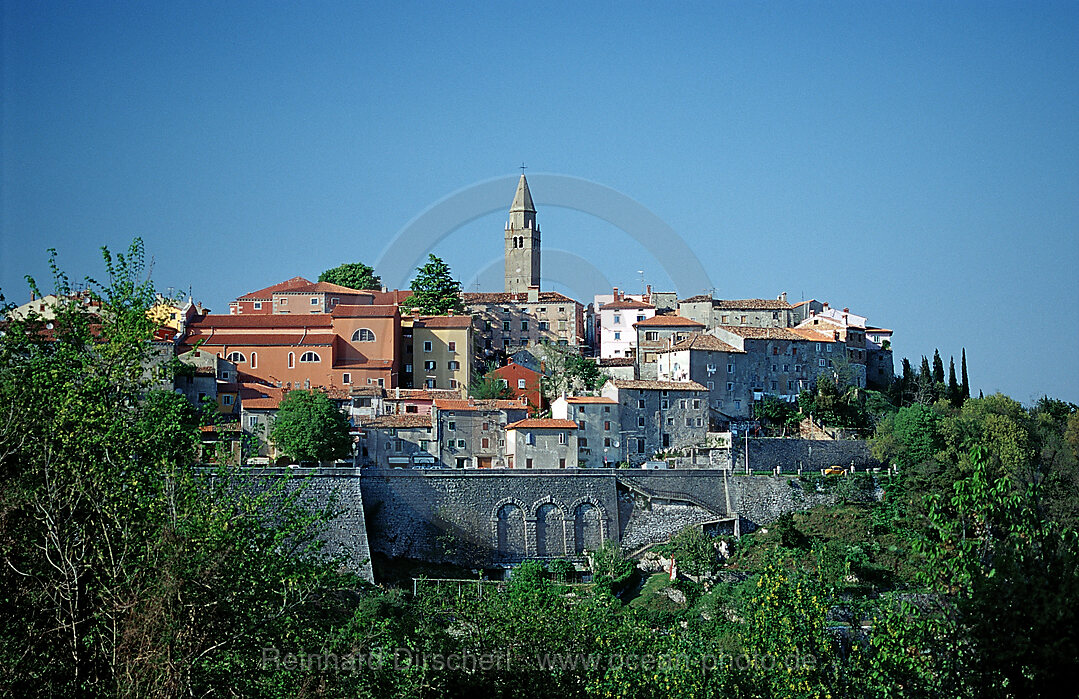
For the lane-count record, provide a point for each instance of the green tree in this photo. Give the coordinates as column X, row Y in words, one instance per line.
column 489, row 386
column 309, row 427
column 938, row 367
column 954, row 394
column 434, row 290
column 567, row 371
column 354, row 275
column 966, row 382
column 693, row 551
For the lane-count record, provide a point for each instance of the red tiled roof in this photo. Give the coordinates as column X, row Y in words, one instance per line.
column 620, row 305
column 262, row 320
column 813, row 335
column 590, row 399
column 762, row 333
column 658, row 385
column 616, row 361
column 542, row 423
column 397, row 421
column 443, row 322
column 708, row 343
column 668, row 322
column 513, row 368
column 268, row 292
column 325, row 288
column 391, row 298
column 366, row 390
column 802, row 303
column 472, row 298
column 479, row 405
column 281, row 339
column 254, row 396
column 349, row 311
column 699, row 298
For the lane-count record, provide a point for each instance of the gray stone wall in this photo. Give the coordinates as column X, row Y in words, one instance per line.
column 655, row 420
column 809, row 454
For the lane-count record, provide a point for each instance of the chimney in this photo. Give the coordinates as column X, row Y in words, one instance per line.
column 471, row 402
column 533, row 293
column 450, row 312
column 824, row 305
column 782, row 297
column 648, row 294
column 616, row 293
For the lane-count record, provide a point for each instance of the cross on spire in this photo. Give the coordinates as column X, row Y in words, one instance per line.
column 523, row 168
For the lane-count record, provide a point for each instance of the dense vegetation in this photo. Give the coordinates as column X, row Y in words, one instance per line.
column 127, row 571
column 354, row 275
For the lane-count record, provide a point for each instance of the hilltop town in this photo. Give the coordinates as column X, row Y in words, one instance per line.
column 672, row 376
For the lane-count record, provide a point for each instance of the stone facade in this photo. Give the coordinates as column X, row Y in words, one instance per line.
column 541, row 443
column 598, row 423
column 522, row 242
column 405, row 441
column 509, row 322
column 472, row 433
column 658, row 334
column 754, row 313
column 658, row 416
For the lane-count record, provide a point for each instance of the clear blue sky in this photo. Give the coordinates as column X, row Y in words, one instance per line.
column 917, row 162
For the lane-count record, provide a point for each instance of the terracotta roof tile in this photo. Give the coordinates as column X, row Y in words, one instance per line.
column 658, row 385
column 751, row 304
column 590, row 399
column 261, row 320
column 443, row 322
column 542, row 423
column 699, row 298
column 813, row 335
column 620, row 305
column 616, row 361
column 761, row 333
column 708, row 343
column 267, row 293
column 473, row 298
column 668, row 322
column 397, row 421
column 423, row 394
column 479, row 405
column 342, row 310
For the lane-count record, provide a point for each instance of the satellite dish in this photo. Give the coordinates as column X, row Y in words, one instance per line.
column 616, row 445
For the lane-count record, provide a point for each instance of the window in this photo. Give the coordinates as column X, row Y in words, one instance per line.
column 640, row 446
column 790, row 385
column 505, row 326
column 382, row 383
column 314, row 300
column 453, row 383
column 737, row 405
column 775, row 368
column 258, row 307
column 363, row 335
column 711, row 385
column 530, row 438
column 252, row 420
column 334, row 302
column 651, row 336
column 284, row 302
column 689, row 422
column 451, row 346
column 291, row 360
column 670, row 421
column 485, row 443
column 730, row 386
column 454, row 366
column 414, row 409
column 541, row 309
column 696, row 403
column 664, row 404
column 423, row 444
column 682, row 404
column 774, row 386
column 606, row 408
column 822, row 362
column 524, row 325
column 452, row 425
column 561, row 437
column 544, row 325
column 580, row 424
column 606, row 441
column 397, row 445
column 818, row 347
column 226, row 399
column 561, row 325
column 236, row 358
column 309, row 358
column 561, row 309
column 786, row 367
column 640, row 404
column 743, row 320
column 607, row 425
column 797, row 367
column 617, row 319
column 640, row 318
column 528, row 463
column 775, row 350
column 426, row 345
column 726, row 320
column 618, row 336
column 730, row 368
column 700, row 422
column 829, row 347
column 346, row 377
column 254, row 360
column 640, row 421
column 775, row 315
column 460, row 444
column 521, row 383
column 408, row 368
column 429, row 366
column 582, row 442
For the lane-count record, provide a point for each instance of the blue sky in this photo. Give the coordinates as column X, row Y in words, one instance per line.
column 917, row 162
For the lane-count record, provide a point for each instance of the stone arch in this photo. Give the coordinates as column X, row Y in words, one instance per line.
column 587, row 528
column 550, row 530
column 508, row 522
column 547, row 500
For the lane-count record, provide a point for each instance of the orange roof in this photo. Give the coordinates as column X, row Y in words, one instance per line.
column 542, row 423
column 668, row 321
column 620, row 305
column 391, row 298
column 590, row 399
column 465, row 405
column 813, row 335
column 513, row 297
column 262, row 320
column 761, row 333
column 343, row 310
column 443, row 322
column 422, row 394
column 397, row 421
column 269, row 291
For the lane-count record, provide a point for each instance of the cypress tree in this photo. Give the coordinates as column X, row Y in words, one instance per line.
column 955, row 395
column 966, row 384
column 938, row 367
column 925, row 374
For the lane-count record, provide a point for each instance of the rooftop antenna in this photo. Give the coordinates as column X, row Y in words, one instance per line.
column 643, row 288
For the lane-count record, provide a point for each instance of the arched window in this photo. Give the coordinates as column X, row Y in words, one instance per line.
column 363, row 335
column 309, row 357
column 254, row 360
column 291, row 360
column 236, row 358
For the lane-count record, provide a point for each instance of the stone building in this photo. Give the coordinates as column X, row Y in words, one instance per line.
column 598, row 421
column 616, row 335
column 657, row 416
column 418, row 401
column 619, row 367
column 657, row 334
column 755, row 313
column 398, row 441
column 472, row 433
column 523, row 383
column 522, row 242
column 508, row 322
column 541, row 443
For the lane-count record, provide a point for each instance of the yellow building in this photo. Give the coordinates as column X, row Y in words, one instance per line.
column 439, row 353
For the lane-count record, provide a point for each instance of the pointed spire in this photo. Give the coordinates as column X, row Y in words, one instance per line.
column 522, row 200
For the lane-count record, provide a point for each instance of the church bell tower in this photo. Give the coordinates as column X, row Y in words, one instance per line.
column 522, row 242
